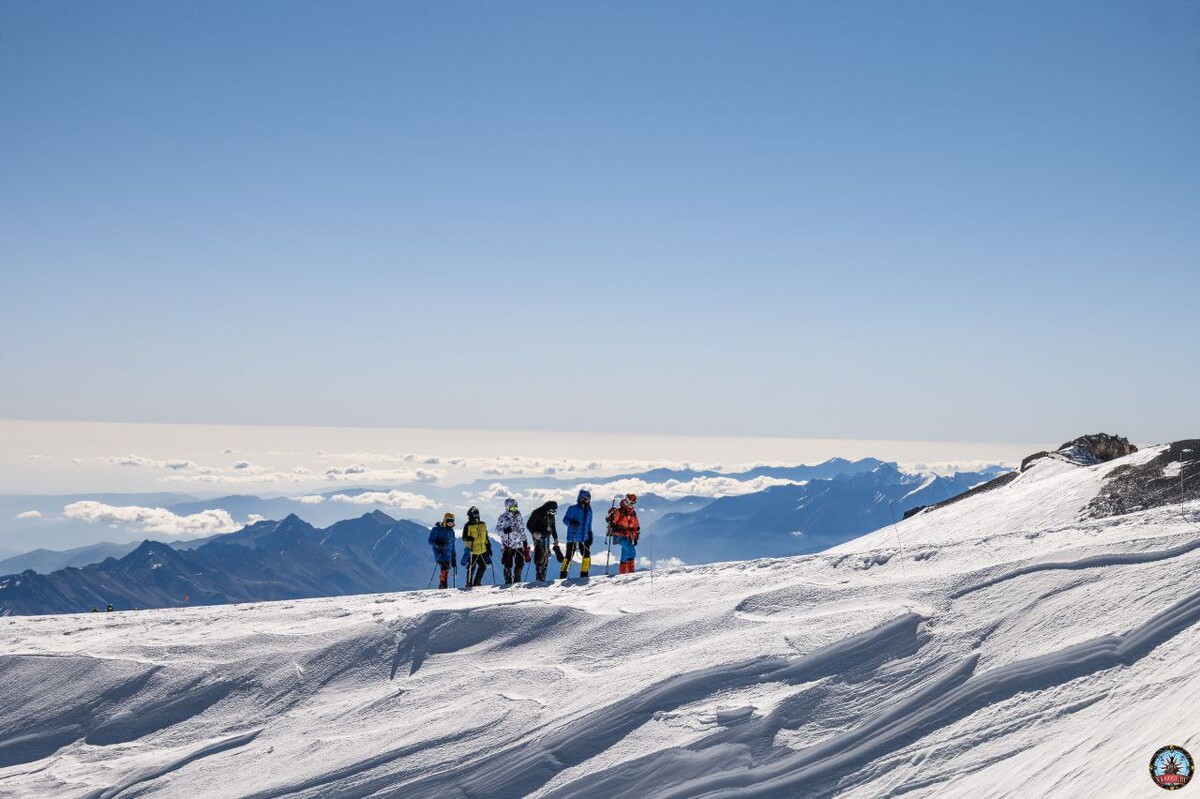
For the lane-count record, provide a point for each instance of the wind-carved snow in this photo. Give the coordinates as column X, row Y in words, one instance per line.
column 991, row 647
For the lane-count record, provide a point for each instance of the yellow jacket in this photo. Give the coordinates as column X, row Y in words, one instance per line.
column 475, row 537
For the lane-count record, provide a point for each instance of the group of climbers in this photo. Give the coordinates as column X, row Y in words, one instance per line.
column 511, row 527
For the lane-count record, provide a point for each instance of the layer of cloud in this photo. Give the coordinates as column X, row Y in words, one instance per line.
column 533, row 497
column 241, row 475
column 30, row 514
column 360, row 473
column 386, row 469
column 661, row 565
column 950, row 468
column 514, row 465
column 142, row 462
column 132, row 460
column 707, row 487
column 403, row 500
column 153, row 520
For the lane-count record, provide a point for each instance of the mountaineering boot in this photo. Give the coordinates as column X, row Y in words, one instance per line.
column 444, row 581
column 629, row 564
column 583, row 569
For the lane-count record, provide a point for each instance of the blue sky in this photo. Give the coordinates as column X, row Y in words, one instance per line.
column 938, row 220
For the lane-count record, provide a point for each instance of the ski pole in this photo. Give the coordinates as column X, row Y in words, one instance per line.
column 435, row 568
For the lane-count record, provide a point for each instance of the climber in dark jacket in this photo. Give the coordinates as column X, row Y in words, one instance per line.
column 542, row 528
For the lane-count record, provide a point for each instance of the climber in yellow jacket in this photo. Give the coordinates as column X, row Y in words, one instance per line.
column 477, row 547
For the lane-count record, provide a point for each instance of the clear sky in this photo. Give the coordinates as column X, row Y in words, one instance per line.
column 900, row 220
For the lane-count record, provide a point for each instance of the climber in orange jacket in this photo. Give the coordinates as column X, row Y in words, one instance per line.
column 624, row 529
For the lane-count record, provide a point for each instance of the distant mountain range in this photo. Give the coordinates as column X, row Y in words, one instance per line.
column 375, row 552
column 797, row 519
column 45, row 561
column 49, row 529
column 286, row 559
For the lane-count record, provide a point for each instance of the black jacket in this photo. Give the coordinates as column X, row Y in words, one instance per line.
column 541, row 521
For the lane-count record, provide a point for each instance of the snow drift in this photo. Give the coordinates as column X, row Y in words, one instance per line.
column 1009, row 644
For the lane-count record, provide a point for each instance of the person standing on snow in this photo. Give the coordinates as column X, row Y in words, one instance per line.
column 624, row 528
column 578, row 520
column 541, row 527
column 477, row 547
column 515, row 547
column 441, row 538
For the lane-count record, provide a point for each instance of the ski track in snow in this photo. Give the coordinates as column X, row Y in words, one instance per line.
column 984, row 649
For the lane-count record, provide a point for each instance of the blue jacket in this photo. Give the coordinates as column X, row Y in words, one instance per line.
column 579, row 522
column 442, row 541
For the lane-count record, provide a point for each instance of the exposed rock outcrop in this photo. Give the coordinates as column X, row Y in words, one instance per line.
column 1086, row 450
column 1172, row 476
column 1097, row 448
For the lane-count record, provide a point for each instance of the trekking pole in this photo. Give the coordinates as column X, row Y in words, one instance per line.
column 896, row 529
column 650, row 534
column 608, row 537
column 435, row 568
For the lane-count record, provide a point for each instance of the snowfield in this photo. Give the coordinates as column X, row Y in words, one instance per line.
column 999, row 646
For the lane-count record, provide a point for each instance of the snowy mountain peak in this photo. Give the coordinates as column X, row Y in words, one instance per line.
column 1056, row 489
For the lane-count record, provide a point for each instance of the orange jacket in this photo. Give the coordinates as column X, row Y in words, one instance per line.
column 625, row 523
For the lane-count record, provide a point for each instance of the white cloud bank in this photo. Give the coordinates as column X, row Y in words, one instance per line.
column 153, row 520
column 392, row 499
column 707, row 487
column 30, row 514
column 358, row 473
column 950, row 468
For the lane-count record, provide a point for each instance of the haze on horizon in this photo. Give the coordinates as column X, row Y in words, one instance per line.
column 927, row 222
column 209, row 460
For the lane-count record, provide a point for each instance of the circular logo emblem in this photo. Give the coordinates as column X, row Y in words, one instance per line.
column 1171, row 768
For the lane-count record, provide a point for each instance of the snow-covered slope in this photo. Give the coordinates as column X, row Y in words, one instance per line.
column 999, row 646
